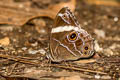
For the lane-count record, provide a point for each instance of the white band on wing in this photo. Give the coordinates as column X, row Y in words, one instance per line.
column 64, row 28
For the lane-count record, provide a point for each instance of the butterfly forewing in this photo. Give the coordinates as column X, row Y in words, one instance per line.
column 64, row 18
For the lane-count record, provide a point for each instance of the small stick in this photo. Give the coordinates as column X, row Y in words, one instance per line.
column 17, row 59
column 78, row 69
column 13, row 67
column 37, row 64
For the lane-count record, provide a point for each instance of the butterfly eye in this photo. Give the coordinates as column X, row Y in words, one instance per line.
column 73, row 36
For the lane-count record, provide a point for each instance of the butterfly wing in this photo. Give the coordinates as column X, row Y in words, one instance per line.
column 59, row 51
column 61, row 48
column 64, row 18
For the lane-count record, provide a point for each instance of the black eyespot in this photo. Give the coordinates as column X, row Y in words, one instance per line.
column 85, row 53
column 72, row 36
column 86, row 48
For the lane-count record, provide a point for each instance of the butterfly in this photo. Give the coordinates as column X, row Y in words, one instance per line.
column 68, row 42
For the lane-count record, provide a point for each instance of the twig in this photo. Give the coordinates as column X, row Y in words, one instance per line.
column 18, row 59
column 11, row 70
column 78, row 69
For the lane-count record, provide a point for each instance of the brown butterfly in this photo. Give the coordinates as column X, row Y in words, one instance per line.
column 67, row 40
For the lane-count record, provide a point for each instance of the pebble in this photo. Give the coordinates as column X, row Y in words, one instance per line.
column 34, row 44
column 5, row 41
column 33, row 51
column 106, row 77
column 108, row 52
column 24, row 48
column 116, row 19
column 42, row 51
column 99, row 33
column 85, row 23
column 97, row 76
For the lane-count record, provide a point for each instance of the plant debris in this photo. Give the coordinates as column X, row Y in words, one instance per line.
column 23, row 49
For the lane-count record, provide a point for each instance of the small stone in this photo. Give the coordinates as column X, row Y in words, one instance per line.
column 21, row 6
column 117, row 69
column 24, row 48
column 34, row 44
column 116, row 19
column 33, row 51
column 99, row 33
column 5, row 41
column 118, row 78
column 20, row 51
column 100, row 69
column 114, row 46
column 97, row 76
column 85, row 23
column 106, row 77
column 42, row 51
column 108, row 51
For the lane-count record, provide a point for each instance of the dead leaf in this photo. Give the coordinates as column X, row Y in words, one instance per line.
column 55, row 8
column 76, row 77
column 64, row 75
column 18, row 14
column 5, row 41
column 104, row 2
column 33, row 73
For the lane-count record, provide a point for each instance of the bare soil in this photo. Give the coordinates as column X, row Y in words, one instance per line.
column 22, row 56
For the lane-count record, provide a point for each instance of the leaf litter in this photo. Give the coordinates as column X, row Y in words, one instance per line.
column 17, row 63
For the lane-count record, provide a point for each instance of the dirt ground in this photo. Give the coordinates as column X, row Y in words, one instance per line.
column 24, row 39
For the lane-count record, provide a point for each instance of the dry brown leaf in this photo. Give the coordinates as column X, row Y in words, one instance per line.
column 37, row 74
column 18, row 14
column 33, row 73
column 76, row 77
column 55, row 8
column 104, row 2
column 5, row 41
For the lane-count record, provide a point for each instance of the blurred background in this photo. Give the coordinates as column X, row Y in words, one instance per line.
column 25, row 27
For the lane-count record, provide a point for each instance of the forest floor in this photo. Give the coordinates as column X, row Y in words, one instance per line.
column 24, row 37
